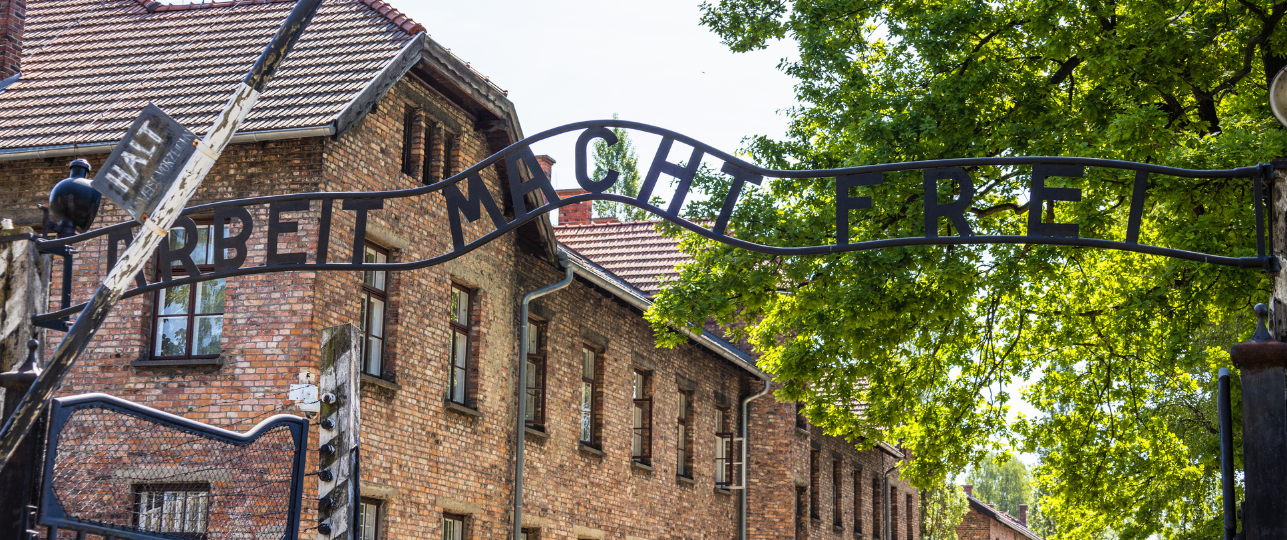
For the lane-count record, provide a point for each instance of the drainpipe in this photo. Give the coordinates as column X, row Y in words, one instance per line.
column 521, row 422
column 746, row 423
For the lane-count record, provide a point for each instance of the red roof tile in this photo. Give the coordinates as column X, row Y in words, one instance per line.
column 635, row 252
column 110, row 58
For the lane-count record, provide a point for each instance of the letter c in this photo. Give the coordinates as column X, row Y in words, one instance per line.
column 583, row 176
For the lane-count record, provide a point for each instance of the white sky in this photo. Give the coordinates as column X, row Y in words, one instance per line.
column 564, row 61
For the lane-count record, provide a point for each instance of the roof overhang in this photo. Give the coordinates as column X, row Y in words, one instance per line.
column 624, row 291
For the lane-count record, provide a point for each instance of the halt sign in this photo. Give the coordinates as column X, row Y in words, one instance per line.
column 145, row 163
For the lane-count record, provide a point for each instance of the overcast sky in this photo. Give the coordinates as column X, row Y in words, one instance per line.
column 564, row 61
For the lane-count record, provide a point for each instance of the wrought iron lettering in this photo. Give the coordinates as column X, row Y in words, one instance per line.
column 525, row 177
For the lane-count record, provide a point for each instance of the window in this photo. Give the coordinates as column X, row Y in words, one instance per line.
column 683, row 446
column 800, row 422
column 535, row 393
column 800, row 527
column 189, row 318
column 908, row 509
column 448, row 159
column 178, row 509
column 459, row 316
column 837, row 481
column 589, row 399
column 368, row 526
column 375, row 285
column 814, row 454
column 875, row 507
column 408, row 141
column 858, row 501
column 641, row 437
column 453, row 527
column 723, row 449
column 531, row 534
column 893, row 513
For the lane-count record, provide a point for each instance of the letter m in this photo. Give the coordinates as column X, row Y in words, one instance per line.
column 469, row 206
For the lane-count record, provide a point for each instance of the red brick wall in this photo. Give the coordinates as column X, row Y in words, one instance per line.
column 439, row 459
column 977, row 526
column 12, row 15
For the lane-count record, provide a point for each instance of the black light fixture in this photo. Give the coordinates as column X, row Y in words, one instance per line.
column 73, row 203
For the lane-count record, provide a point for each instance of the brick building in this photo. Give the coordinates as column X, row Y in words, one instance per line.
column 984, row 522
column 624, row 440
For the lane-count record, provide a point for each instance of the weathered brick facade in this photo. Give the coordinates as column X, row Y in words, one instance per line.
column 422, row 456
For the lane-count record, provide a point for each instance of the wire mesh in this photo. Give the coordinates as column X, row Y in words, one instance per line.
column 128, row 472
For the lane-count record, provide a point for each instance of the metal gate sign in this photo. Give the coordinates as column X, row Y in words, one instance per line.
column 1044, row 181
column 146, row 161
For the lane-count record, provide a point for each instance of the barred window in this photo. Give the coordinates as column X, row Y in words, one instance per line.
column 375, row 286
column 893, row 513
column 857, row 501
column 176, row 509
column 458, row 313
column 723, row 449
column 448, row 155
column 535, row 384
column 408, row 138
column 641, row 439
column 875, row 507
column 908, row 521
column 188, row 319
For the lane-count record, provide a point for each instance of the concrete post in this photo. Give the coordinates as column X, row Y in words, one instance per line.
column 23, row 294
column 339, row 483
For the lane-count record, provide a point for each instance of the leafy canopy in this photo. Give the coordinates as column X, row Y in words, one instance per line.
column 1121, row 348
column 1002, row 481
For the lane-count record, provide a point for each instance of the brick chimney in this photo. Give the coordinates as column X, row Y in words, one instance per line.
column 969, row 490
column 12, row 16
column 1023, row 514
column 574, row 214
column 547, row 162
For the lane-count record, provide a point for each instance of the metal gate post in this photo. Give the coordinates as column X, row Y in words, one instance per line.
column 18, row 477
column 1263, row 362
column 339, row 482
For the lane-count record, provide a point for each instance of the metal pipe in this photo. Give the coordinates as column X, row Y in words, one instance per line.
column 521, row 421
column 1225, row 410
column 746, row 441
column 168, row 210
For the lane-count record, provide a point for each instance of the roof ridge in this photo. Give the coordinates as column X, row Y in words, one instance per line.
column 385, row 9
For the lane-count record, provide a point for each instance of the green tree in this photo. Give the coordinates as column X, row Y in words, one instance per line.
column 942, row 509
column 618, row 157
column 1122, row 348
column 1004, row 483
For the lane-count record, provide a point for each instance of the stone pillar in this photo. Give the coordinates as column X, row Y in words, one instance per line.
column 23, row 291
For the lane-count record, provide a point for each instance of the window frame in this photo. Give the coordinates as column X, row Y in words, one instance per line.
column 875, row 507
column 837, row 483
column 449, row 141
column 684, row 434
column 137, row 513
column 537, row 359
column 595, row 382
column 893, row 513
column 157, row 300
column 408, row 141
column 379, row 517
column 464, row 525
column 857, row 501
column 460, row 329
column 723, row 439
column 815, row 480
column 641, row 397
column 907, row 508
column 368, row 292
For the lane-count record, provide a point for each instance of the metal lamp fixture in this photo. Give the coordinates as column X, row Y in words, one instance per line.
column 1278, row 96
column 73, row 203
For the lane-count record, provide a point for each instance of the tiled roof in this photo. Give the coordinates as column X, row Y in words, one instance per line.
column 635, row 252
column 110, row 57
column 1002, row 517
